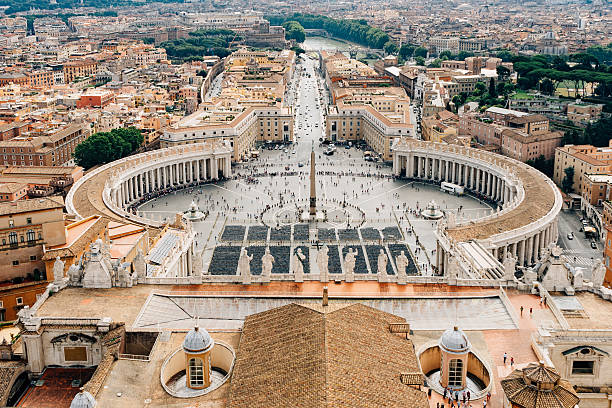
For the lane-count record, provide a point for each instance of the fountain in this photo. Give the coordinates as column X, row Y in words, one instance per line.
column 194, row 213
column 432, row 211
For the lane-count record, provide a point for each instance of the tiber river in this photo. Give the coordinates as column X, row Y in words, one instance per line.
column 316, row 43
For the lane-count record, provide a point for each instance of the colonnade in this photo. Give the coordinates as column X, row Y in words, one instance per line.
column 481, row 172
column 173, row 174
column 474, row 176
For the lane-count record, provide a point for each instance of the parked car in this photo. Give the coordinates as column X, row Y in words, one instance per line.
column 570, row 235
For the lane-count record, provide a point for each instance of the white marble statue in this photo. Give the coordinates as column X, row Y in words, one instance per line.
column 577, row 280
column 140, row 268
column 267, row 261
column 382, row 262
column 598, row 273
column 453, row 268
column 298, row 266
column 74, row 274
column 244, row 266
column 509, row 266
column 349, row 264
column 58, row 270
column 323, row 263
column 198, row 264
column 402, row 262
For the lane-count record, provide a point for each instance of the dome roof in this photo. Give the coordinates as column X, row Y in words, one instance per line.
column 83, row 400
column 455, row 341
column 197, row 341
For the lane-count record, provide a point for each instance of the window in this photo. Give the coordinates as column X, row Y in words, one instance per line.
column 196, row 372
column 455, row 369
column 15, row 263
column 32, row 257
column 13, row 238
column 19, row 301
column 31, row 236
column 582, row 367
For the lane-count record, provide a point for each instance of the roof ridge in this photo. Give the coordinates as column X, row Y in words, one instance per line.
column 326, row 402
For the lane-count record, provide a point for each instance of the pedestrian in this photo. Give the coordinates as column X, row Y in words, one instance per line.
column 511, row 361
column 489, row 396
column 505, row 357
column 531, row 312
column 468, row 395
column 521, row 311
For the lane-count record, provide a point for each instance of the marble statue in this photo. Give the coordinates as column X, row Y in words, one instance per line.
column 244, row 266
column 123, row 276
column 451, row 219
column 198, row 264
column 578, row 280
column 58, row 270
column 349, row 264
column 453, row 268
column 267, row 261
column 509, row 266
column 401, row 261
column 140, row 268
column 74, row 275
column 598, row 273
column 298, row 266
column 382, row 262
column 323, row 263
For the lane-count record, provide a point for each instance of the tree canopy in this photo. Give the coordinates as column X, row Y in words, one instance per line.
column 105, row 147
column 200, row 43
column 294, row 31
column 357, row 31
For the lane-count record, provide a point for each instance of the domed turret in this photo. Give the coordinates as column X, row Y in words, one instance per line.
column 83, row 400
column 197, row 347
column 455, row 341
column 454, row 350
column 197, row 341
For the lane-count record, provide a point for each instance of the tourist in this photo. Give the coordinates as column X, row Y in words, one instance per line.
column 505, row 357
column 521, row 311
column 531, row 312
column 511, row 361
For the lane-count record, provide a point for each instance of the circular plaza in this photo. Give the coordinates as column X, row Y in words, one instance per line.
column 373, row 211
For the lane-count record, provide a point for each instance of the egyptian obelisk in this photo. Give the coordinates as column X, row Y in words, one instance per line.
column 313, row 187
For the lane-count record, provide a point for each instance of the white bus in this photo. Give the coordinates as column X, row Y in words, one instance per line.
column 451, row 188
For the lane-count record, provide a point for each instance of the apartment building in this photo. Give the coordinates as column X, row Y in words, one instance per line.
column 597, row 188
column 79, row 68
column 53, row 147
column 440, row 126
column 580, row 112
column 26, row 227
column 242, row 128
column 585, row 159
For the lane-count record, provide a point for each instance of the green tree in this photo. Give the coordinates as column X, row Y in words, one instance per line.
column 503, row 73
column 446, row 55
column 390, row 48
column 420, row 52
column 406, row 51
column 568, row 181
column 104, row 147
column 420, row 61
column 435, row 63
column 294, row 31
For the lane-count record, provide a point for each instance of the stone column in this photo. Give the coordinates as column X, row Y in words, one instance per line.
column 521, row 252
column 446, row 165
column 529, row 254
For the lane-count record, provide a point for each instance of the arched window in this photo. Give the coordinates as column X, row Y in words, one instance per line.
column 31, row 236
column 455, row 370
column 196, row 372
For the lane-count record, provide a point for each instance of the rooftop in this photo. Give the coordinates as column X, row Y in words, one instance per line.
column 311, row 360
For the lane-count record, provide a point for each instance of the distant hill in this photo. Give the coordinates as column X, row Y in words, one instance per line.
column 15, row 6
